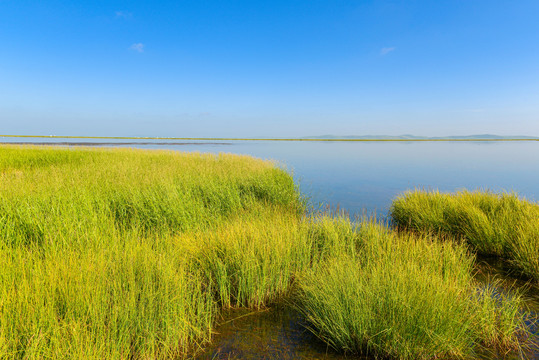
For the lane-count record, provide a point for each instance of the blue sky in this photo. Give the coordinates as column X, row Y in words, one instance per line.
column 269, row 68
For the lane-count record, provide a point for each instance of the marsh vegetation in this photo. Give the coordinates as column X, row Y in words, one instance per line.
column 133, row 254
column 501, row 225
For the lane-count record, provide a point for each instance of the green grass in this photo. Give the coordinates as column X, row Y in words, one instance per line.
column 132, row 254
column 406, row 297
column 92, row 255
column 492, row 224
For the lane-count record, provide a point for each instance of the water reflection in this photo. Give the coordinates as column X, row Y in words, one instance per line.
column 274, row 333
column 507, row 279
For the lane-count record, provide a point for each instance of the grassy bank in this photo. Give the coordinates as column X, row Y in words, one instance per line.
column 492, row 224
column 93, row 262
column 132, row 254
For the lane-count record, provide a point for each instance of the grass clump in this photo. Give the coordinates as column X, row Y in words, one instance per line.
column 252, row 263
column 125, row 301
column 493, row 224
column 407, row 297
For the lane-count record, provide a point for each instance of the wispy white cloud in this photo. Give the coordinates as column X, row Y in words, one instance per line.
column 139, row 47
column 386, row 50
column 123, row 14
column 473, row 110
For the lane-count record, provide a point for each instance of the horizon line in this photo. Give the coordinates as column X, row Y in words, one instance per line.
column 516, row 138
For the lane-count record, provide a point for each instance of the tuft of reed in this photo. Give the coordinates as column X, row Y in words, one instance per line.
column 407, row 297
column 492, row 224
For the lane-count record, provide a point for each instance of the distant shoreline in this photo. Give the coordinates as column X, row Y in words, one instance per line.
column 79, row 143
column 223, row 139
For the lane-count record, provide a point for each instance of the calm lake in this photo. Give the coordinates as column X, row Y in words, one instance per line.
column 358, row 177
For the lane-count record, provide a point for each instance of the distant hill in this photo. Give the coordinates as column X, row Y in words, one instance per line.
column 413, row 137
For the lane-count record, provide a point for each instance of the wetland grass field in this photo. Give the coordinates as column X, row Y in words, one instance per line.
column 133, row 254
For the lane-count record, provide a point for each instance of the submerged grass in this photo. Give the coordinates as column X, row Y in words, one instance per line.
column 131, row 254
column 492, row 224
